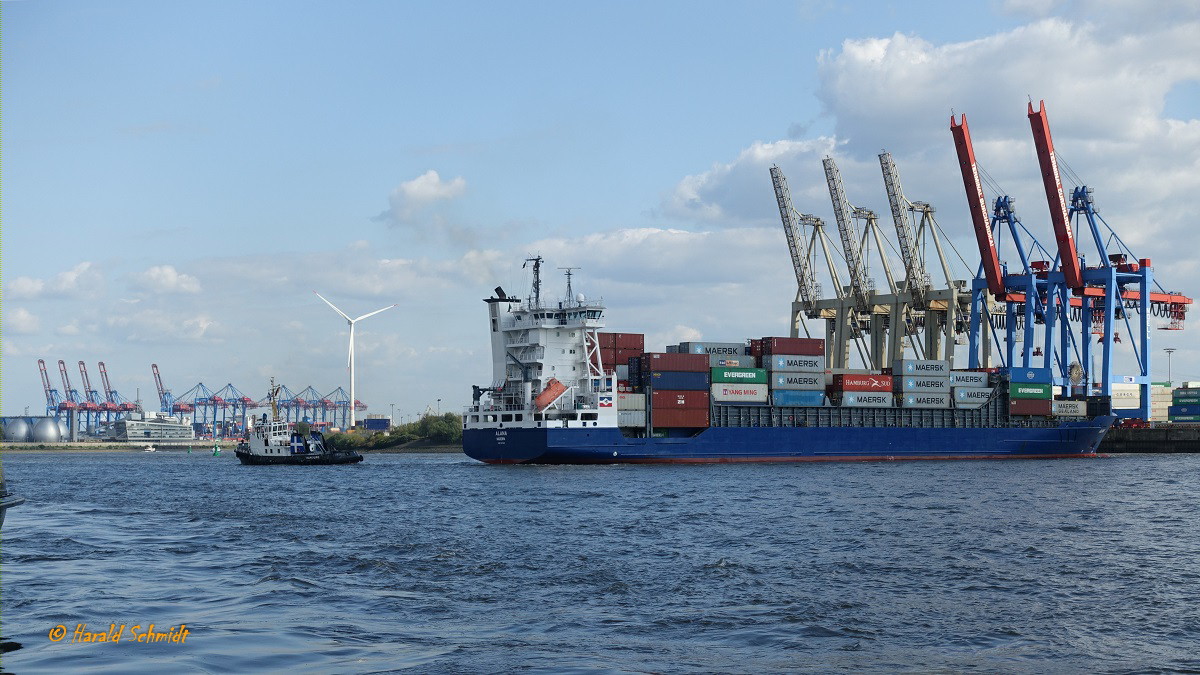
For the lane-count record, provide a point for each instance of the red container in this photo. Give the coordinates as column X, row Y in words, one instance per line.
column 756, row 348
column 797, row 346
column 679, row 418
column 1030, row 406
column 621, row 356
column 607, row 340
column 629, row 341
column 680, row 363
column 623, row 387
column 679, row 400
column 862, row 383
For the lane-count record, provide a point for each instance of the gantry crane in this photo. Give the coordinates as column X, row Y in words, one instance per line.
column 114, row 397
column 808, row 290
column 54, row 399
column 92, row 404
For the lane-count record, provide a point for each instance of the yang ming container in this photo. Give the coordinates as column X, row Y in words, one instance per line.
column 739, row 375
column 794, row 397
column 923, row 384
column 668, row 380
column 868, row 399
column 730, row 392
column 923, row 400
column 794, row 363
column 919, row 367
column 801, row 381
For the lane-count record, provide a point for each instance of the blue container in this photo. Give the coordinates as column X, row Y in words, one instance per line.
column 376, row 424
column 1029, row 375
column 796, row 397
column 1183, row 410
column 665, row 379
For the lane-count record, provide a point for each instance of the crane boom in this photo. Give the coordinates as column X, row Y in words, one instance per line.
column 51, row 398
column 1048, row 161
column 978, row 205
column 796, row 241
column 914, row 265
column 860, row 283
column 108, row 392
column 164, row 396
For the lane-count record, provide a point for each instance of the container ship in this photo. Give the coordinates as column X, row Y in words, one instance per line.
column 563, row 391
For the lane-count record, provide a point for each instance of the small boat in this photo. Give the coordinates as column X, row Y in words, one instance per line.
column 7, row 500
column 150, row 448
column 276, row 441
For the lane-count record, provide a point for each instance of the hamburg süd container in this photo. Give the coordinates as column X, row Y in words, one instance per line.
column 794, row 363
column 1069, row 408
column 924, row 400
column 971, row 397
column 679, row 418
column 1030, row 406
column 868, row 399
column 789, row 345
column 968, row 378
column 689, row 400
column 921, row 367
column 795, row 397
column 670, row 380
column 1030, row 390
column 922, row 383
column 739, row 375
column 801, row 381
column 692, row 363
column 732, row 392
column 882, row 383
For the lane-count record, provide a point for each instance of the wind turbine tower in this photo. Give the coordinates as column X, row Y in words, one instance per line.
column 350, row 359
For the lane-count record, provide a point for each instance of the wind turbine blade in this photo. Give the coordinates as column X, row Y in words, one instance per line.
column 343, row 314
column 374, row 313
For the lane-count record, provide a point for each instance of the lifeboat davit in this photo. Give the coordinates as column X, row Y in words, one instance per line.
column 549, row 395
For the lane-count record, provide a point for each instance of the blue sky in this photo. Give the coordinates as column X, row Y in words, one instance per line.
column 178, row 178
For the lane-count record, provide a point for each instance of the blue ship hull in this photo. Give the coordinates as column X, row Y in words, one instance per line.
column 780, row 444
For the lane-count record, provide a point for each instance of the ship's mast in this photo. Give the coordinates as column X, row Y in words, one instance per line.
column 537, row 278
column 569, row 271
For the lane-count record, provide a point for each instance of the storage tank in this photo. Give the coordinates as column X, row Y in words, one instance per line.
column 17, row 431
column 46, row 431
column 64, row 429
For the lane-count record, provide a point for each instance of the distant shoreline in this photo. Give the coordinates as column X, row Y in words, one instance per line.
column 199, row 446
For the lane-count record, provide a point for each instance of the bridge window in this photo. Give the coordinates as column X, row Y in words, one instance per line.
column 506, row 417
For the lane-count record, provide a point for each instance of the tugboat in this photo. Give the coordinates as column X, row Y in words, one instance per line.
column 279, row 442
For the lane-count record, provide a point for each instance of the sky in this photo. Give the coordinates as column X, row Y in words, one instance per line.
column 178, row 178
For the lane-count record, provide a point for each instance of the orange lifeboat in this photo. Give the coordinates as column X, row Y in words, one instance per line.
column 549, row 395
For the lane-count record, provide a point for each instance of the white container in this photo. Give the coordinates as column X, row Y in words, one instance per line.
column 631, row 418
column 622, row 372
column 798, row 381
column 971, row 397
column 918, row 367
column 726, row 392
column 923, row 400
column 965, row 378
column 787, row 363
column 722, row 361
column 868, row 399
column 631, row 402
column 1069, row 408
column 923, row 384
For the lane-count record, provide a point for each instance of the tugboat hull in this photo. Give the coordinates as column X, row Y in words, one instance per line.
column 314, row 458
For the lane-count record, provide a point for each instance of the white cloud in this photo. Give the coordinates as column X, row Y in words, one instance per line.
column 157, row 326
column 21, row 321
column 412, row 197
column 165, row 279
column 82, row 280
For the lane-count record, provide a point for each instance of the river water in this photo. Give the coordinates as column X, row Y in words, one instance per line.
column 436, row 563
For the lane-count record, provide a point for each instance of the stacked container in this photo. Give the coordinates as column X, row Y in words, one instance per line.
column 679, row 388
column 860, row 390
column 617, row 348
column 739, row 385
column 1030, row 398
column 1185, row 405
column 1160, row 401
column 1126, row 396
column 969, row 388
column 922, row 383
column 720, row 354
column 795, row 370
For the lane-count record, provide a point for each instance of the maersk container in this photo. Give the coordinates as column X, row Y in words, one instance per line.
column 631, row 418
column 967, row 378
column 924, row 400
column 868, row 399
column 794, row 363
column 669, row 380
column 733, row 392
column 794, row 397
column 801, row 381
column 681, row 418
column 921, row 367
column 739, row 375
column 677, row 399
column 1034, row 375
column 1027, row 391
column 1177, row 410
column 689, row 363
column 744, row 361
column 789, row 345
column 848, row 382
column 711, row 348
column 971, row 397
column 1030, row 406
column 631, row 402
column 1069, row 408
column 922, row 384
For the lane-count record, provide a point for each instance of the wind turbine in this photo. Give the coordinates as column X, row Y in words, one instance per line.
column 350, row 360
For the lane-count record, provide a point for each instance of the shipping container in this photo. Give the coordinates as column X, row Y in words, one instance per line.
column 606, row 340
column 631, row 418
column 376, row 424
column 787, row 345
column 1098, row 405
column 1185, row 418
column 1186, row 391
column 793, row 397
column 967, row 378
column 634, row 341
column 1034, row 375
column 1069, row 408
column 922, row 384
column 741, row 375
column 670, row 380
column 845, row 382
column 1027, row 390
column 744, row 361
column 868, row 399
column 802, row 381
column 1186, row 400
column 732, row 392
column 713, row 348
column 924, row 400
column 679, row 418
column 756, row 348
column 794, row 363
column 676, row 399
column 1177, row 410
column 972, row 397
column 1190, row 385
column 690, row 363
column 622, row 372
column 1030, row 406
column 918, row 367
column 631, row 401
